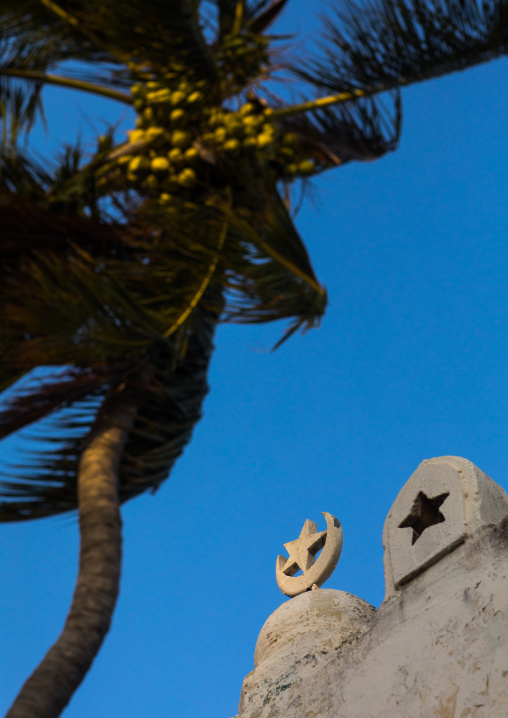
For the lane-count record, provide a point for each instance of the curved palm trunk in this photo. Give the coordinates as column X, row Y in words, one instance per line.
column 51, row 686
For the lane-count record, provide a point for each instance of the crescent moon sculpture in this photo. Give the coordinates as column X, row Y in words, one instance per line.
column 302, row 555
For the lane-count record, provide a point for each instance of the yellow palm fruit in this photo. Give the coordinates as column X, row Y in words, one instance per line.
column 307, row 167
column 139, row 165
column 176, row 116
column 160, row 96
column 250, row 143
column 216, row 117
column 124, row 160
column 191, row 154
column 138, row 89
column 252, row 121
column 187, row 177
column 176, row 156
column 291, row 169
column 148, row 114
column 154, row 85
column 252, row 124
column 195, row 97
column 177, row 98
column 180, row 138
column 247, row 109
column 160, row 165
column 165, row 198
column 152, row 133
column 220, row 134
column 264, row 140
column 136, row 135
column 232, row 146
column 151, row 182
column 235, row 128
column 287, row 152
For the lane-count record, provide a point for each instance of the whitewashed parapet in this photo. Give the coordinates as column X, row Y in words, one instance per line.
column 438, row 644
column 443, row 502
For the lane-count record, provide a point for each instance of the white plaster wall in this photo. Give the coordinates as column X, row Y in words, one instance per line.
column 438, row 648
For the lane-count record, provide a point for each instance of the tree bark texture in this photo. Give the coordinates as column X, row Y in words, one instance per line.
column 51, row 686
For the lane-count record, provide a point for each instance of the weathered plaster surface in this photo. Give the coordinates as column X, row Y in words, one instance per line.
column 325, row 618
column 473, row 500
column 436, row 648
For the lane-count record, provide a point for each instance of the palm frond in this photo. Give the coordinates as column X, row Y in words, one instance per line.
column 256, row 8
column 236, row 16
column 31, row 492
column 71, row 311
column 33, row 41
column 267, row 269
column 261, row 261
column 30, row 28
column 266, row 16
column 391, row 43
column 52, row 393
column 362, row 130
column 20, row 174
column 170, row 406
column 27, row 226
column 157, row 33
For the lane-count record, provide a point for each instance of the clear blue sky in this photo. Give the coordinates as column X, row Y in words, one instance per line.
column 410, row 363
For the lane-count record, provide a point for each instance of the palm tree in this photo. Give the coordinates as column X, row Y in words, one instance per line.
column 117, row 266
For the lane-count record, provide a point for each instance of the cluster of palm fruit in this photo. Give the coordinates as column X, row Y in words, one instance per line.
column 243, row 56
column 181, row 140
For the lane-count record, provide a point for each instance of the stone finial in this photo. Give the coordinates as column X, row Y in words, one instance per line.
column 443, row 502
column 302, row 555
column 311, row 622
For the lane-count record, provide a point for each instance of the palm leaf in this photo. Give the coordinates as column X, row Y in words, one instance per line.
column 27, row 226
column 31, row 492
column 261, row 262
column 34, row 41
column 266, row 16
column 361, row 130
column 71, row 312
column 30, row 27
column 27, row 406
column 256, row 16
column 157, row 32
column 267, row 269
column 391, row 43
column 170, row 406
column 20, row 174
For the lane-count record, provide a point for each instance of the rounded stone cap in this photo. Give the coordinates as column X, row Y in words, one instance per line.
column 317, row 620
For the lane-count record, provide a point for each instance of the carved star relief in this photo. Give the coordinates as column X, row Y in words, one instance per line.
column 302, row 552
column 424, row 513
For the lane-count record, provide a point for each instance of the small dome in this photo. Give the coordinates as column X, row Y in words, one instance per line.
column 317, row 620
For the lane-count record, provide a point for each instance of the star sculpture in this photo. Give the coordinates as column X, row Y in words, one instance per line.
column 302, row 552
column 424, row 513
